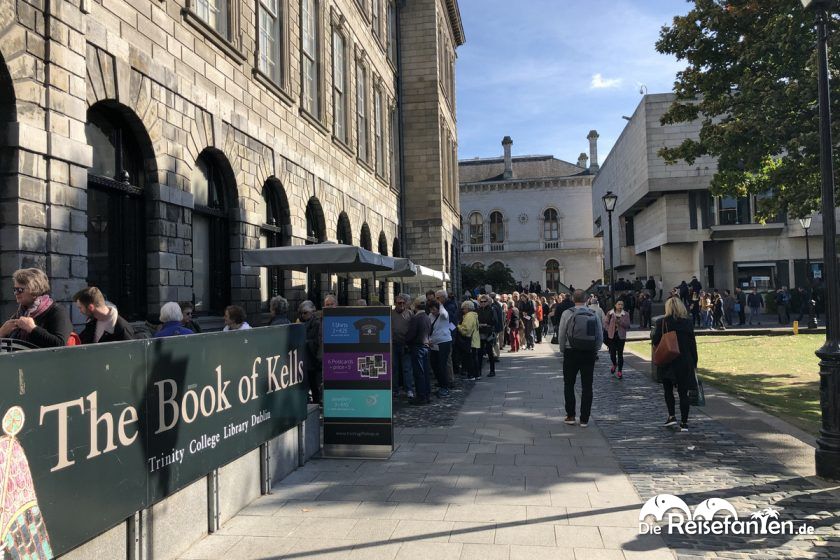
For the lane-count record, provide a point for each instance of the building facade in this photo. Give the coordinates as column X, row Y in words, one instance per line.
column 146, row 143
column 531, row 214
column 667, row 223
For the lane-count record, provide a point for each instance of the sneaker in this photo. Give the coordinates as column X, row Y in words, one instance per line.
column 570, row 420
column 612, row 370
column 671, row 421
column 410, row 394
column 491, row 374
column 584, row 424
column 619, row 374
column 683, row 426
column 443, row 392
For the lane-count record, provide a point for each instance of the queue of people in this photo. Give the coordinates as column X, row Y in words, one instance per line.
column 436, row 339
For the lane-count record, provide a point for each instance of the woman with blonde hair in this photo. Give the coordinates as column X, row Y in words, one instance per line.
column 680, row 372
column 468, row 330
column 38, row 321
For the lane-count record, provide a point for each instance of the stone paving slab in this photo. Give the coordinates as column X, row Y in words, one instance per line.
column 502, row 477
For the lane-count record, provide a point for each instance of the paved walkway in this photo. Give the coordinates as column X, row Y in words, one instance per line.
column 507, row 479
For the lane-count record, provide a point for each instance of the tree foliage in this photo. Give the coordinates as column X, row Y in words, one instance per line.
column 500, row 277
column 751, row 80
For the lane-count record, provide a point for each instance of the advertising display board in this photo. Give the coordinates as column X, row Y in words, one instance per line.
column 358, row 376
column 92, row 434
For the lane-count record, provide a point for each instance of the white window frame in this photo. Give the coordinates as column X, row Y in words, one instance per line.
column 216, row 14
column 310, row 39
column 362, row 117
column 340, row 81
column 378, row 132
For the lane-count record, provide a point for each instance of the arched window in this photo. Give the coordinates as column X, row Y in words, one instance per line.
column 7, row 115
column 274, row 232
column 316, row 232
column 344, row 235
column 383, row 250
column 476, row 232
column 497, row 265
column 365, row 243
column 211, row 232
column 497, row 232
column 551, row 229
column 116, row 232
column 552, row 276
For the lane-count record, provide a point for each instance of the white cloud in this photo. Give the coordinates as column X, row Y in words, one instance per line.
column 599, row 82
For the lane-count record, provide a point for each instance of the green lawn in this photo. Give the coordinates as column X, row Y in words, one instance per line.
column 777, row 373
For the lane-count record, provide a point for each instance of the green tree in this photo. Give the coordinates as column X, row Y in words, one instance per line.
column 751, row 79
column 497, row 275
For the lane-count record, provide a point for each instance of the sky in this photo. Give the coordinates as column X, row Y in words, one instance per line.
column 546, row 72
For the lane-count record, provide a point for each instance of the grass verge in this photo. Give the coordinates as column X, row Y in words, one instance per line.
column 779, row 374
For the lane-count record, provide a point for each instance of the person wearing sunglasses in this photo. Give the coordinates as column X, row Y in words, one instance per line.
column 38, row 320
column 188, row 313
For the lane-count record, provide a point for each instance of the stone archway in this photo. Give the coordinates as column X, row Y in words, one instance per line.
column 8, row 114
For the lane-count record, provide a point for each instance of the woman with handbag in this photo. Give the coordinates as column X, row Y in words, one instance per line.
column 471, row 339
column 616, row 325
column 513, row 325
column 675, row 356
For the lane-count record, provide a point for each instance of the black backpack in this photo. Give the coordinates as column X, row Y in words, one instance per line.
column 582, row 330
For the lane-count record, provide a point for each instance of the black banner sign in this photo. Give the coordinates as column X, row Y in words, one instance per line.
column 92, row 434
column 358, row 373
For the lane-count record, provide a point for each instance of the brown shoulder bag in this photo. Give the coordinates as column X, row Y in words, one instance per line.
column 668, row 348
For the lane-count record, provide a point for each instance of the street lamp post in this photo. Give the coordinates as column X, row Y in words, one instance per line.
column 609, row 205
column 828, row 444
column 809, row 275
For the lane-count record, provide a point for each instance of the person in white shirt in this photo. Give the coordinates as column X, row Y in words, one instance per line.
column 441, row 341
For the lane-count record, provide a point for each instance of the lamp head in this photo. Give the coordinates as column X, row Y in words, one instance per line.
column 609, row 201
column 805, row 222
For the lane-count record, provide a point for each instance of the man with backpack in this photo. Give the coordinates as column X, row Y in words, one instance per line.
column 580, row 336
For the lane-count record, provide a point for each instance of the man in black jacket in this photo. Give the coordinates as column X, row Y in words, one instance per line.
column 526, row 315
column 418, row 342
column 104, row 322
column 741, row 306
column 487, row 331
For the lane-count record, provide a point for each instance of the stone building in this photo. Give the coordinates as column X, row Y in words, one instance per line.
column 666, row 222
column 146, row 143
column 531, row 214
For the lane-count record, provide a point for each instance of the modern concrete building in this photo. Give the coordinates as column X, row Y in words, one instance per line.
column 145, row 144
column 666, row 222
column 531, row 213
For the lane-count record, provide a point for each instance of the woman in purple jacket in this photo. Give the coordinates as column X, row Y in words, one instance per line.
column 616, row 324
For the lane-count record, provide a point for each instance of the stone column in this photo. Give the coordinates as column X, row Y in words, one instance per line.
column 593, row 150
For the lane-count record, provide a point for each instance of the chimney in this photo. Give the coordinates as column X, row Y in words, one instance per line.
column 506, row 144
column 593, row 150
column 582, row 159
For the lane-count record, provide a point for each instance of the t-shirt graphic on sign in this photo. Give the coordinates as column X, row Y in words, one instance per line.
column 369, row 328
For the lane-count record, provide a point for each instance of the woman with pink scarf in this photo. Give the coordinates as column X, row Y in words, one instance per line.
column 38, row 320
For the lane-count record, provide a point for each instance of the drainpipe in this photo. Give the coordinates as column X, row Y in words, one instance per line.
column 47, row 122
column 398, row 54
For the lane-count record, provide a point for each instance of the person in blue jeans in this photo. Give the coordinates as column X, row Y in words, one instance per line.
column 441, row 341
column 402, row 370
column 418, row 341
